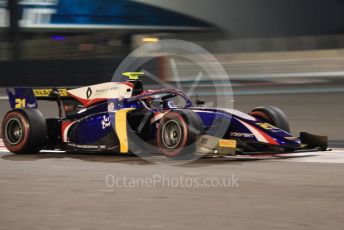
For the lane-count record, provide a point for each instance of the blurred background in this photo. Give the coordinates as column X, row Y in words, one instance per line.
column 287, row 53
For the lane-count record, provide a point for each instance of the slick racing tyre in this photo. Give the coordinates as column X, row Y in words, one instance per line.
column 24, row 131
column 271, row 115
column 178, row 132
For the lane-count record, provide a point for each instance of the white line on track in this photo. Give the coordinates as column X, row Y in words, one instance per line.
column 335, row 156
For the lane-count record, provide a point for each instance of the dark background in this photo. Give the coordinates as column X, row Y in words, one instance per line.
column 82, row 55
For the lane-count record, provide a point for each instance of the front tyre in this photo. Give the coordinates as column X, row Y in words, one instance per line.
column 24, row 131
column 271, row 115
column 178, row 132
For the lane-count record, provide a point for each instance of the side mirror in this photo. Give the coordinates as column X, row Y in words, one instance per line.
column 200, row 102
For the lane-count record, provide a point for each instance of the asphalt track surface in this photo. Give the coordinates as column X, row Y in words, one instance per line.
column 61, row 191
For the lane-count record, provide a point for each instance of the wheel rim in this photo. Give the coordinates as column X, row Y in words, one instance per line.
column 171, row 134
column 14, row 131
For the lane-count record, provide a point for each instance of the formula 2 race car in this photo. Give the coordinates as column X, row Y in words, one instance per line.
column 123, row 117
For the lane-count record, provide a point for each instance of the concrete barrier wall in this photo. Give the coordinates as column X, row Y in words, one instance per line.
column 262, row 65
column 257, row 65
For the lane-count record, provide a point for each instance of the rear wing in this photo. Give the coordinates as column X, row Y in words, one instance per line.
column 27, row 97
column 50, row 94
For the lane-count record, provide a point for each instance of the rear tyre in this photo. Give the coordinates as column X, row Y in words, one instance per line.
column 177, row 134
column 271, row 115
column 24, row 131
